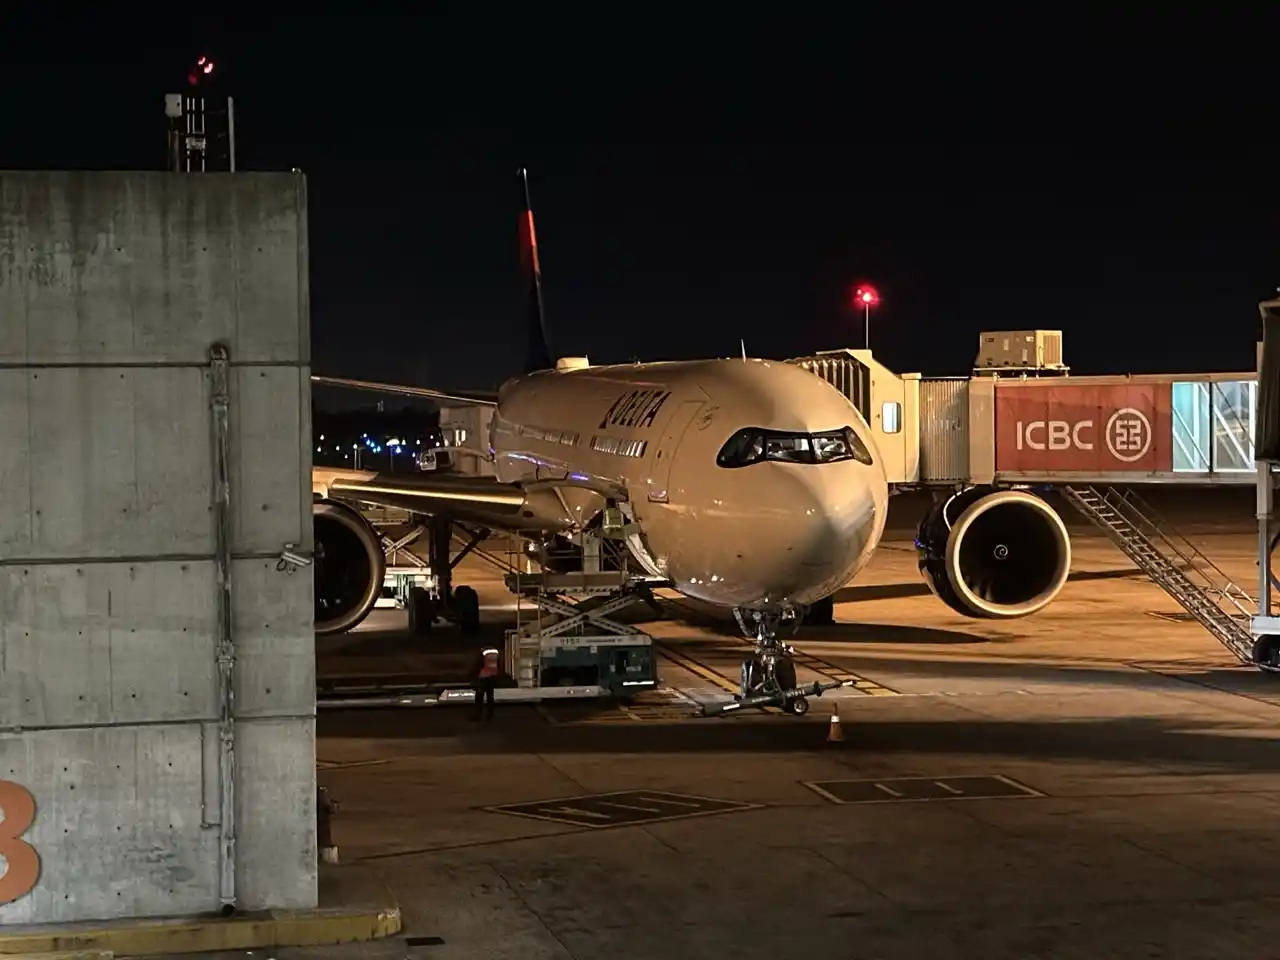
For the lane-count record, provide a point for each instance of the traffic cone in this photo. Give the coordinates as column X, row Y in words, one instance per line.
column 834, row 733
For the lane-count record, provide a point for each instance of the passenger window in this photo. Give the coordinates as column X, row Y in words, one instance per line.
column 891, row 416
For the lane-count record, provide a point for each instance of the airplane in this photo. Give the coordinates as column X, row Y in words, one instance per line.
column 750, row 484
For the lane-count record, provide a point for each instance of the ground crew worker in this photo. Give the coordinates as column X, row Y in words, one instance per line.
column 486, row 679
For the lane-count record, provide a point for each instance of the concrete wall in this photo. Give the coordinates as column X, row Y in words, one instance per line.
column 113, row 287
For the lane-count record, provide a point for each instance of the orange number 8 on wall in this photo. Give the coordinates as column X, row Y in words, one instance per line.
column 22, row 868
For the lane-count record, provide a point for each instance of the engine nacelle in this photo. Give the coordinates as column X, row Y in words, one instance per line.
column 994, row 553
column 349, row 567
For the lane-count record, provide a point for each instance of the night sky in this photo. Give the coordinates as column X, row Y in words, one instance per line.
column 703, row 178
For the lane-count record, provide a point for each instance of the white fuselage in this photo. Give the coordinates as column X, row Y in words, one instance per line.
column 766, row 535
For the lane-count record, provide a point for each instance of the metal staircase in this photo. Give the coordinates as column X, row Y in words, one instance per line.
column 1173, row 563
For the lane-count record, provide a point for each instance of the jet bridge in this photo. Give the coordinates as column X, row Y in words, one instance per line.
column 1021, row 420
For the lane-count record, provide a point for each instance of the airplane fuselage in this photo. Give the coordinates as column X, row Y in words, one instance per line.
column 763, row 533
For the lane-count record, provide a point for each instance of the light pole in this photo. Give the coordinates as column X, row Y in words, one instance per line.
column 866, row 297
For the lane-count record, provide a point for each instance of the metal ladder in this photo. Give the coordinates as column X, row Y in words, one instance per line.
column 1172, row 562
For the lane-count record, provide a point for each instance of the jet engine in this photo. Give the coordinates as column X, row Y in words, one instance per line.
column 994, row 553
column 349, row 567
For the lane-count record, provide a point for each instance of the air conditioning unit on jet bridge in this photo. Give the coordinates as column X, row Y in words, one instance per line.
column 1013, row 351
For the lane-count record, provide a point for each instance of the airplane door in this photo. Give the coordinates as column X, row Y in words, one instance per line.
column 671, row 437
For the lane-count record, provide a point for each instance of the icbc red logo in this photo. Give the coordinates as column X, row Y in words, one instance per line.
column 21, row 862
column 1056, row 426
column 1128, row 434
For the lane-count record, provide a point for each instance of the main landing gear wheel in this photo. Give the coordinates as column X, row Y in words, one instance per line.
column 466, row 603
column 1266, row 653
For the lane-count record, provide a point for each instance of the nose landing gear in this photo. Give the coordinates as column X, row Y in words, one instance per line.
column 768, row 674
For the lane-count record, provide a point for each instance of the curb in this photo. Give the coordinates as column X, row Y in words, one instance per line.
column 277, row 928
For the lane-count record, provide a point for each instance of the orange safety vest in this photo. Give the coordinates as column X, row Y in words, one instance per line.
column 490, row 666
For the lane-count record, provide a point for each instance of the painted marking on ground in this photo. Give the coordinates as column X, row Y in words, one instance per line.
column 347, row 764
column 836, row 672
column 624, row 808
column 1176, row 616
column 1221, row 676
column 818, row 665
column 698, row 669
column 824, row 668
column 920, row 789
column 701, row 670
column 656, row 706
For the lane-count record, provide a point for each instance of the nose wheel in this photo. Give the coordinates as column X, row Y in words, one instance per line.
column 768, row 675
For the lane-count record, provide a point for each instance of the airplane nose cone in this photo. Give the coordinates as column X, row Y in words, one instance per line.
column 772, row 533
column 835, row 515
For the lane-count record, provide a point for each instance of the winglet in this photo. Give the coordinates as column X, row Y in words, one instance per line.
column 538, row 352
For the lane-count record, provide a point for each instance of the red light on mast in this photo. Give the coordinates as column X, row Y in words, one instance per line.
column 865, row 297
column 203, row 68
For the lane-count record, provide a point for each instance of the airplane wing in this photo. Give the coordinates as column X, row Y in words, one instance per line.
column 480, row 500
column 477, row 398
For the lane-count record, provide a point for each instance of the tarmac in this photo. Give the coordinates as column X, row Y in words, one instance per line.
column 1098, row 780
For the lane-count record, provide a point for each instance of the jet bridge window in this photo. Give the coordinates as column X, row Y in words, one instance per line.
column 757, row 445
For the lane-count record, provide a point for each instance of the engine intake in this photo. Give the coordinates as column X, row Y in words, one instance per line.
column 994, row 554
column 349, row 567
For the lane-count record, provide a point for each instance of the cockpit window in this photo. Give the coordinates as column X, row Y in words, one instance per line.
column 757, row 445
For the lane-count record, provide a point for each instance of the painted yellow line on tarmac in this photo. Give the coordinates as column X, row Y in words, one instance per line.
column 703, row 671
column 836, row 672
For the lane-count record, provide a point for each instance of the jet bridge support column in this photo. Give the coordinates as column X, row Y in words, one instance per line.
column 1265, row 626
column 1266, row 524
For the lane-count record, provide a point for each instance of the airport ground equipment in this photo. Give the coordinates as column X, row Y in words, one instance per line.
column 572, row 639
column 793, row 700
column 1173, row 563
column 568, row 647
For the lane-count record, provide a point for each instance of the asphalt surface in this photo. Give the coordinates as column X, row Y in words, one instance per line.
column 1098, row 780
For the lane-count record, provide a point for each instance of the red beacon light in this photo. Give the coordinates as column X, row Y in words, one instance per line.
column 203, row 68
column 866, row 298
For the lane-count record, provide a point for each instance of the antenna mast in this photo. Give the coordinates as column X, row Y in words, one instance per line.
column 202, row 131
